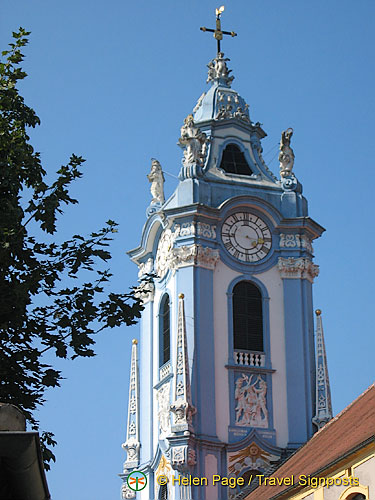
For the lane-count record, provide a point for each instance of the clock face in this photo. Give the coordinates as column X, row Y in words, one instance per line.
column 246, row 237
column 163, row 253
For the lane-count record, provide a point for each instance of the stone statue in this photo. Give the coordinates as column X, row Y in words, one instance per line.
column 194, row 141
column 286, row 155
column 156, row 178
column 218, row 69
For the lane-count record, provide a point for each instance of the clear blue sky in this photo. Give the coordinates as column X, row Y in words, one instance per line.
column 113, row 82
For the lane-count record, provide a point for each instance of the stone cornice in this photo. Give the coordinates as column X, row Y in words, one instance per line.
column 297, row 268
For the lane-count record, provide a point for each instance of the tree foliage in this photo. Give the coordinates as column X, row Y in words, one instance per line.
column 53, row 296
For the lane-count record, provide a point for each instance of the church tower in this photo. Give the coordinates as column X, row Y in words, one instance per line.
column 223, row 380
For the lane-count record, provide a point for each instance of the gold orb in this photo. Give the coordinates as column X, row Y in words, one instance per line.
column 181, row 295
column 135, row 341
column 318, row 312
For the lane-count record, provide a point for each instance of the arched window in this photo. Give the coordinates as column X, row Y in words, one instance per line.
column 247, row 317
column 163, row 492
column 233, row 161
column 164, row 331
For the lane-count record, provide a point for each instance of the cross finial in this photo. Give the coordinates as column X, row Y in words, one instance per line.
column 218, row 33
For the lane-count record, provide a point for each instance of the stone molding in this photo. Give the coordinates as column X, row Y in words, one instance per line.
column 145, row 291
column 145, row 268
column 127, row 493
column 194, row 255
column 195, row 228
column 297, row 268
column 295, row 241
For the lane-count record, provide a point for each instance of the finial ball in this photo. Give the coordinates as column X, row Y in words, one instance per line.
column 181, row 295
column 318, row 312
column 135, row 341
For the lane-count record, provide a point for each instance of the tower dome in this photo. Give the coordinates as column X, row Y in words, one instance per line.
column 221, row 101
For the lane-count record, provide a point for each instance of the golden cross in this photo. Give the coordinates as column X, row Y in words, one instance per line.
column 218, row 33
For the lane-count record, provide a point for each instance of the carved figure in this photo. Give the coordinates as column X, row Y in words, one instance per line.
column 194, row 141
column 251, row 409
column 286, row 155
column 218, row 69
column 240, row 114
column 163, row 407
column 261, row 393
column 156, row 178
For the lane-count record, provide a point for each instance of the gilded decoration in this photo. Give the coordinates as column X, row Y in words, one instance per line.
column 164, row 469
column 252, row 457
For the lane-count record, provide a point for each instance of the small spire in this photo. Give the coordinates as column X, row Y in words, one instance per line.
column 132, row 444
column 182, row 407
column 323, row 392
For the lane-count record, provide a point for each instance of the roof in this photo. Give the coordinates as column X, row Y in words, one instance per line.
column 349, row 429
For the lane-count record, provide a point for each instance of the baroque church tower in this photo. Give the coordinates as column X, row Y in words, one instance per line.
column 224, row 379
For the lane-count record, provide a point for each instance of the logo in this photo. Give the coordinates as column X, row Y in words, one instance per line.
column 137, row 481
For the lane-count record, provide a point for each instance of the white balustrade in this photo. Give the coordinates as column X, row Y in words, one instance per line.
column 165, row 370
column 248, row 358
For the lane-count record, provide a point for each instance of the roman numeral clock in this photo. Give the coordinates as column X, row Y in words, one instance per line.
column 246, row 236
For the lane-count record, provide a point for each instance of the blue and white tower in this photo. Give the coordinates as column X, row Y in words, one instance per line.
column 227, row 376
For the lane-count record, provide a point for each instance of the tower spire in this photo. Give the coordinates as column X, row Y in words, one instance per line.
column 182, row 407
column 132, row 444
column 323, row 392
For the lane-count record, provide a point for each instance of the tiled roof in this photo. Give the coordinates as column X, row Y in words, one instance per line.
column 353, row 426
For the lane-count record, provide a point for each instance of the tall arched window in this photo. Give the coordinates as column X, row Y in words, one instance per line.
column 233, row 161
column 247, row 317
column 164, row 331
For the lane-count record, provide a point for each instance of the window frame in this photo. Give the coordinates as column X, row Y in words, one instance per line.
column 163, row 330
column 259, row 335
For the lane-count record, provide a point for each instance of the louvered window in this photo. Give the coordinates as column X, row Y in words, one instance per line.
column 165, row 327
column 234, row 161
column 247, row 317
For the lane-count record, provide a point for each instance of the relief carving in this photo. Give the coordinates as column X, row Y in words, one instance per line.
column 163, row 399
column 250, row 394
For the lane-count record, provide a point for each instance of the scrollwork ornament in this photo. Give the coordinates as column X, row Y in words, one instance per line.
column 178, row 455
column 289, row 183
column 127, row 493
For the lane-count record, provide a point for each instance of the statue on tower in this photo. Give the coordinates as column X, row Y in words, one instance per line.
column 156, row 178
column 286, row 155
column 194, row 142
column 218, row 70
